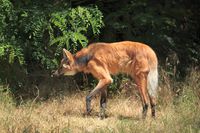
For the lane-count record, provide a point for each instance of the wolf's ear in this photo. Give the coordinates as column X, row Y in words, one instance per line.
column 67, row 55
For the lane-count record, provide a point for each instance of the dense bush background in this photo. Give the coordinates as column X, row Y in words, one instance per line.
column 33, row 33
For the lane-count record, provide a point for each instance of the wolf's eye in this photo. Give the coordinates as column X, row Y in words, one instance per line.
column 65, row 66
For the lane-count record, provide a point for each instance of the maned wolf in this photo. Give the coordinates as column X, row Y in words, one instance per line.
column 105, row 59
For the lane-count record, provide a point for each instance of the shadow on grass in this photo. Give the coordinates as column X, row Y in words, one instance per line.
column 129, row 118
column 96, row 114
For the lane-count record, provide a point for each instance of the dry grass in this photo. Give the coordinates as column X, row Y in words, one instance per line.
column 63, row 115
column 60, row 115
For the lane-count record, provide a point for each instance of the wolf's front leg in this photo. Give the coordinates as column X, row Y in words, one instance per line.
column 103, row 101
column 99, row 88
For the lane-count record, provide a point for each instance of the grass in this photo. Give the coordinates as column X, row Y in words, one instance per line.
column 175, row 113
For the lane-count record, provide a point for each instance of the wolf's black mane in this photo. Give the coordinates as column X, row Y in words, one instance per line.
column 83, row 60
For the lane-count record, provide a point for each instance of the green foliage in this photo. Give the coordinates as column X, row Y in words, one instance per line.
column 34, row 30
column 49, row 32
column 11, row 53
column 69, row 28
column 35, row 33
column 8, row 49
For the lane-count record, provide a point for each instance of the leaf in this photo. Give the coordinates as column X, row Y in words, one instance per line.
column 81, row 38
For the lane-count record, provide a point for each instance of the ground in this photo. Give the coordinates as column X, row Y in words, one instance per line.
column 66, row 115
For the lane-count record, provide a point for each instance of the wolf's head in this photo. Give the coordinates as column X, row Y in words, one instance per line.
column 67, row 65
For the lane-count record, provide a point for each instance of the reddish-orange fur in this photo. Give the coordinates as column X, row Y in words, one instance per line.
column 106, row 59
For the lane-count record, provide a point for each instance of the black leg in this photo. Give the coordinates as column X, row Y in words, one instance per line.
column 153, row 111
column 145, row 108
column 89, row 99
column 99, row 88
column 103, row 101
column 88, row 104
column 153, row 105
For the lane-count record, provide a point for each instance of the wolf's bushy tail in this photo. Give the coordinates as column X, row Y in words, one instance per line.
column 152, row 82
